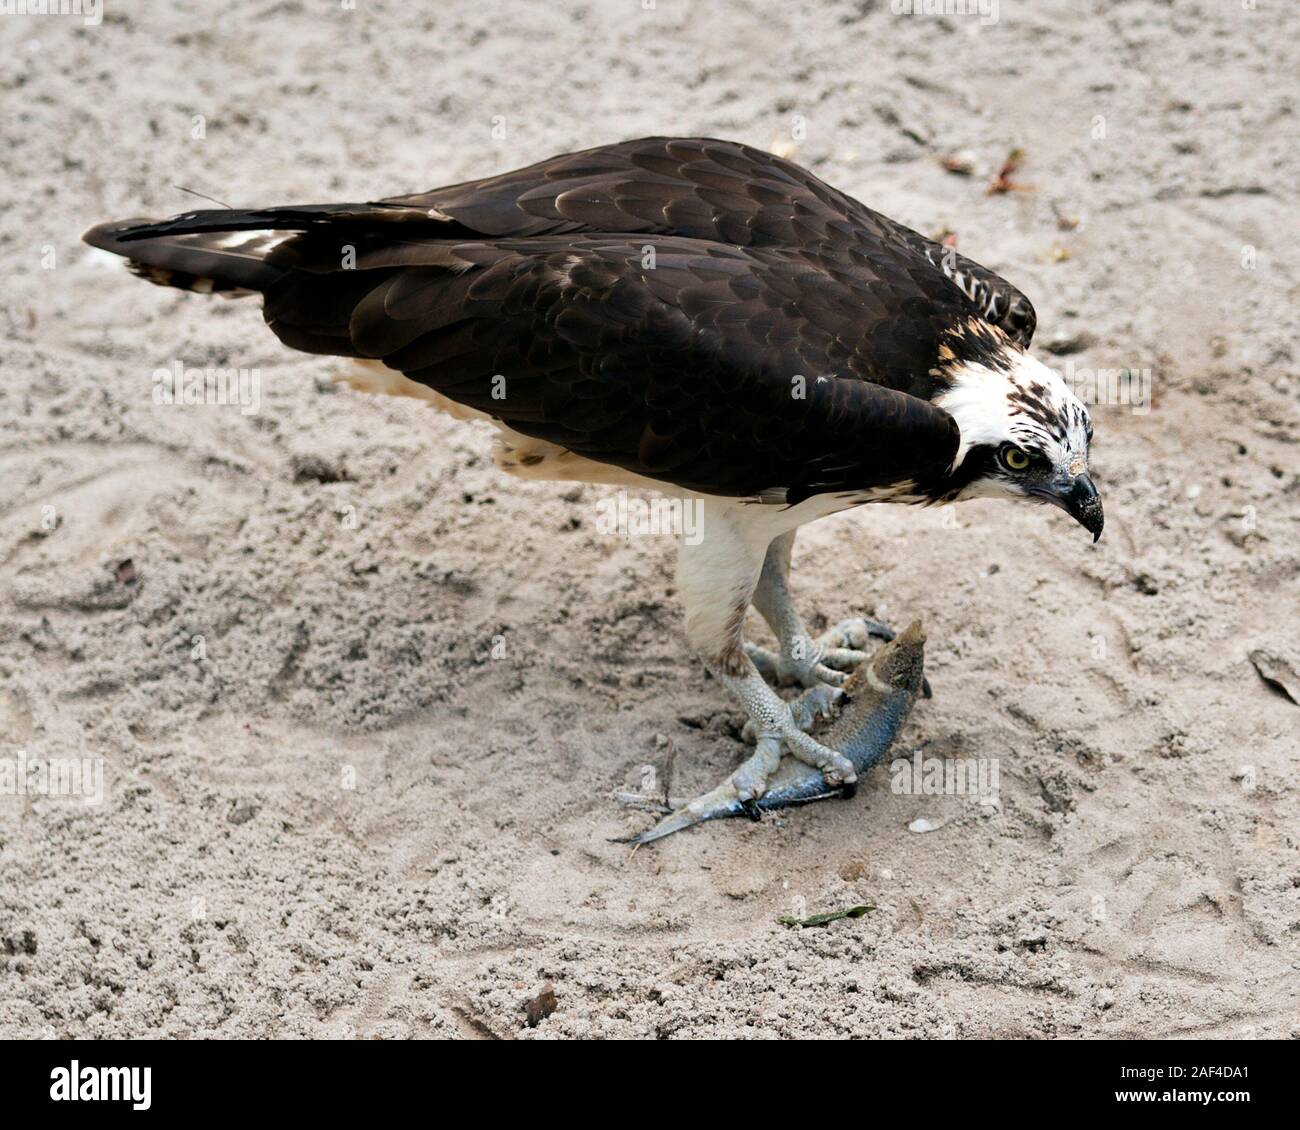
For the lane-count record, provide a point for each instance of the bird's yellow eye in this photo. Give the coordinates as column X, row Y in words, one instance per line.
column 1014, row 458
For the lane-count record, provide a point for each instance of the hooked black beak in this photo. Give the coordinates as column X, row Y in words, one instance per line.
column 1083, row 504
column 1078, row 497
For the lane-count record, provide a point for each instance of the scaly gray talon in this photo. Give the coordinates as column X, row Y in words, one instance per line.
column 808, row 662
column 870, row 715
column 750, row 779
column 843, row 658
column 841, row 646
column 836, row 768
column 815, row 703
column 790, row 732
column 855, row 632
column 787, row 670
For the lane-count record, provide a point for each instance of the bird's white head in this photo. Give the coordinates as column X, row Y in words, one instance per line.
column 1024, row 434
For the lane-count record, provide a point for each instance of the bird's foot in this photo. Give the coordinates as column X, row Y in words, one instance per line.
column 740, row 793
column 808, row 662
column 855, row 633
column 868, row 718
column 791, row 735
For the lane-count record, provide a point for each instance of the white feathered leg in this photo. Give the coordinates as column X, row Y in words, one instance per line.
column 717, row 578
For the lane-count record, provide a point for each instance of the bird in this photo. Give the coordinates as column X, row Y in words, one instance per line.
column 683, row 315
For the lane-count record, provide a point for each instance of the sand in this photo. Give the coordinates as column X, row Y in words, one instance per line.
column 361, row 702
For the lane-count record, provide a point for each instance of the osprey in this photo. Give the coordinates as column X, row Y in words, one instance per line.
column 683, row 315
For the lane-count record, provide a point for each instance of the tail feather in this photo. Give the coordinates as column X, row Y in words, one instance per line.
column 290, row 217
column 227, row 262
column 226, row 250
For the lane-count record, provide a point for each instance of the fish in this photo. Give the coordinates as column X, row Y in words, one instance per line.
column 877, row 699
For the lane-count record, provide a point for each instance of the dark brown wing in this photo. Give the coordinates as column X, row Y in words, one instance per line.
column 697, row 188
column 726, row 370
column 721, row 191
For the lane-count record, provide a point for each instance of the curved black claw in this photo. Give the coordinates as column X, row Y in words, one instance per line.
column 752, row 810
column 879, row 631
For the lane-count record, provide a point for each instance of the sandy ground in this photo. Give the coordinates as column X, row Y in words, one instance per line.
column 333, row 807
